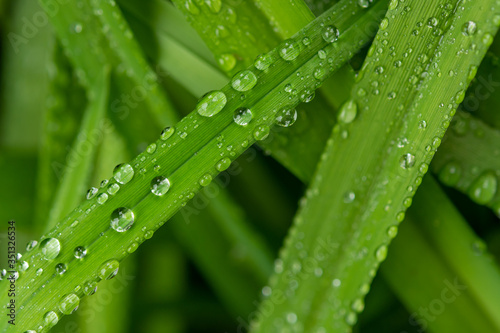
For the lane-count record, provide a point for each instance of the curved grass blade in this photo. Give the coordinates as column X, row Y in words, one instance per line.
column 363, row 187
column 189, row 158
column 469, row 160
column 91, row 31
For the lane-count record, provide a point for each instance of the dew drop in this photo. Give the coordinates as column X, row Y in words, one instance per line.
column 132, row 247
column 167, row 132
column 123, row 173
column 91, row 192
column 381, row 253
column 263, row 61
column 80, row 252
column 306, row 41
column 122, row 219
column 102, row 198
column 450, row 174
column 151, row 148
column 90, row 288
column 358, row 305
column 244, row 81
column 50, row 248
column 109, row 269
column 330, row 34
column 363, row 3
column 261, row 132
column 289, row 50
column 50, row 319
column 407, row 161
column 484, row 188
column 69, row 304
column 351, row 318
column 113, row 188
column 227, row 62
column 223, row 164
column 348, row 112
column 392, row 231
column 286, row 117
column 31, row 245
column 160, row 185
column 242, row 116
column 214, row 5
column 61, row 268
column 205, row 180
column 336, row 283
column 307, row 95
column 211, row 104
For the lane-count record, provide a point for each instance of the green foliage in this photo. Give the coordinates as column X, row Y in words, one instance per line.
column 267, row 73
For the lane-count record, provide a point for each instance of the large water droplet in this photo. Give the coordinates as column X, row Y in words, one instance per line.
column 289, row 50
column 263, row 61
column 109, row 269
column 469, row 28
column 69, row 303
column 348, row 112
column 244, row 81
column 211, row 104
column 50, row 248
column 242, row 116
column 91, row 193
column 123, row 173
column 484, row 188
column 122, row 219
column 167, row 132
column 450, row 174
column 160, row 185
column 227, row 62
column 286, row 117
column 205, row 180
column 50, row 319
column 330, row 34
column 223, row 164
column 407, row 161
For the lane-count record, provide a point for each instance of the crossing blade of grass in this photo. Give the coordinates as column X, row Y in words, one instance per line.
column 463, row 251
column 289, row 147
column 189, row 158
column 469, row 160
column 363, row 187
column 438, row 299
column 76, row 175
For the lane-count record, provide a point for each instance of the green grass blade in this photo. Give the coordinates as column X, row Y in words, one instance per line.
column 462, row 250
column 422, row 281
column 76, row 175
column 90, row 32
column 186, row 158
column 64, row 109
column 469, row 160
column 363, row 187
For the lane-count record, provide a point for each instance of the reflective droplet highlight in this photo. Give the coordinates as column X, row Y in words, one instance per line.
column 211, row 104
column 244, row 81
column 242, row 116
column 122, row 219
column 123, row 173
column 50, row 248
column 160, row 185
column 69, row 304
